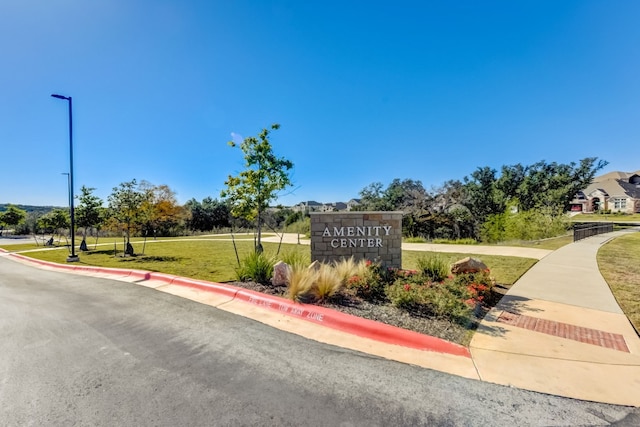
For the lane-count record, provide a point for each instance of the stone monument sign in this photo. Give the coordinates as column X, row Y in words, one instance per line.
column 375, row 236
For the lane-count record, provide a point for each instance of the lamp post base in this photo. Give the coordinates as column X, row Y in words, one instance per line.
column 73, row 258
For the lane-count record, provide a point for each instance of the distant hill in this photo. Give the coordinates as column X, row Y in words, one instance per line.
column 28, row 208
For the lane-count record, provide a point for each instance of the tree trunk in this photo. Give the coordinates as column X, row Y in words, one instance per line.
column 259, row 248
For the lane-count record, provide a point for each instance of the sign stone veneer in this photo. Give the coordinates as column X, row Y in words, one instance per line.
column 376, row 236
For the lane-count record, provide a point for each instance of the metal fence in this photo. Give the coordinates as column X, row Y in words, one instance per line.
column 584, row 230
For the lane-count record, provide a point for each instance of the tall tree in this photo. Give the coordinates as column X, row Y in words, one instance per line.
column 12, row 217
column 250, row 192
column 553, row 185
column 482, row 197
column 160, row 211
column 87, row 214
column 405, row 195
column 125, row 204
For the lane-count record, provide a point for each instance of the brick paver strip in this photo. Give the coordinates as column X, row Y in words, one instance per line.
column 566, row 330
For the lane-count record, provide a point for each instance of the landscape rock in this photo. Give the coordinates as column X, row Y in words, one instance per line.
column 468, row 265
column 281, row 272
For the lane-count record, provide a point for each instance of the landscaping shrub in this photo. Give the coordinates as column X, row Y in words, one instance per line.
column 370, row 282
column 478, row 285
column 404, row 295
column 444, row 300
column 257, row 267
column 434, row 267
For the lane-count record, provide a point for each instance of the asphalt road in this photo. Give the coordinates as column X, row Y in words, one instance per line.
column 85, row 351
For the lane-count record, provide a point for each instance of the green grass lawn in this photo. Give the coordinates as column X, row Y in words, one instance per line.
column 551, row 244
column 619, row 263
column 606, row 217
column 505, row 269
column 215, row 260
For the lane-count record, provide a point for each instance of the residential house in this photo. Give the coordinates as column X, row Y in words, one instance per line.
column 308, row 206
column 352, row 204
column 614, row 191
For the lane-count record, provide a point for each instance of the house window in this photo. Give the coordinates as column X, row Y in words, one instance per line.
column 620, row 203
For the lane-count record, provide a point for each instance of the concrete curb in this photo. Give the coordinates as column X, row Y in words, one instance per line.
column 319, row 315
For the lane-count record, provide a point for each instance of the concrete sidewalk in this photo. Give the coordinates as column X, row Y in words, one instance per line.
column 560, row 331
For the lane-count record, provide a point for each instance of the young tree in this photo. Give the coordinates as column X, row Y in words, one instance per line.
column 250, row 192
column 54, row 222
column 11, row 217
column 125, row 205
column 87, row 214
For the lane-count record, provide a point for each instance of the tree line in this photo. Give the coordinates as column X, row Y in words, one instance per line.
column 519, row 202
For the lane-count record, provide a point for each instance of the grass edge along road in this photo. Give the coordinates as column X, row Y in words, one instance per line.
column 619, row 264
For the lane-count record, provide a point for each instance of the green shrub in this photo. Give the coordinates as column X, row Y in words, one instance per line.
column 444, row 300
column 447, row 302
column 433, row 267
column 534, row 224
column 369, row 282
column 474, row 287
column 257, row 267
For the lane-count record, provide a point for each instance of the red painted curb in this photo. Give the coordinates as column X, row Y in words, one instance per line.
column 316, row 314
column 353, row 324
column 219, row 288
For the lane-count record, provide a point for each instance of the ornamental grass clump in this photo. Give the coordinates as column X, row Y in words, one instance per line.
column 257, row 267
column 433, row 267
column 301, row 281
column 347, row 268
column 327, row 283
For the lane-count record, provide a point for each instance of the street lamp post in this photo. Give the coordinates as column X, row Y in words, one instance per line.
column 73, row 257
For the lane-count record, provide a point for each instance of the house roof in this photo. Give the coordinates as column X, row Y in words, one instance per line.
column 615, row 184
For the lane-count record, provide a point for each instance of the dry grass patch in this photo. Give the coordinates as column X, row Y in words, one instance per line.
column 619, row 263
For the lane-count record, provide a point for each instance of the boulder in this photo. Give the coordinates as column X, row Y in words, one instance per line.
column 468, row 265
column 280, row 274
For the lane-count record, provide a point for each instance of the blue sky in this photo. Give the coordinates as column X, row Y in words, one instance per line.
column 364, row 91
